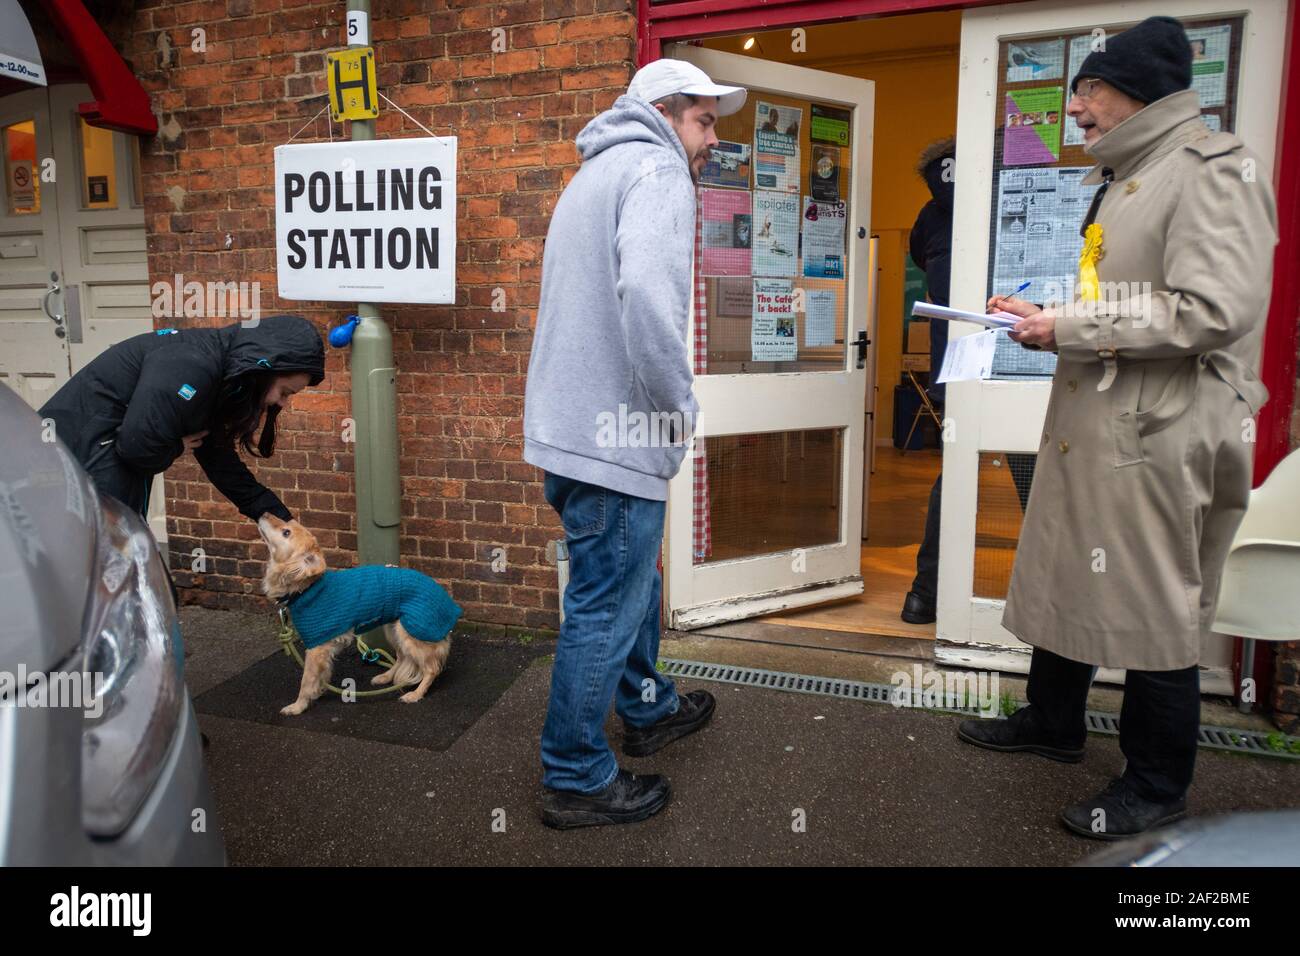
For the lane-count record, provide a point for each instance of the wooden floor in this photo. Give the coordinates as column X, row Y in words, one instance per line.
column 899, row 495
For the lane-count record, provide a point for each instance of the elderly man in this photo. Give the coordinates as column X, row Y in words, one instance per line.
column 610, row 347
column 1145, row 461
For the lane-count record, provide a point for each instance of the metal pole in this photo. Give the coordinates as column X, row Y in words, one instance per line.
column 374, row 410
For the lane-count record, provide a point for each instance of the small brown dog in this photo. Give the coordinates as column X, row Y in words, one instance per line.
column 296, row 566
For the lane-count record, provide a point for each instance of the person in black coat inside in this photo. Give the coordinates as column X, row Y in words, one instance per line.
column 145, row 401
column 930, row 245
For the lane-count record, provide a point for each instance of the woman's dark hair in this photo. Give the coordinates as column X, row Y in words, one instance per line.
column 239, row 411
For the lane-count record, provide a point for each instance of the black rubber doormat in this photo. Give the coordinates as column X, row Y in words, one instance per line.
column 478, row 672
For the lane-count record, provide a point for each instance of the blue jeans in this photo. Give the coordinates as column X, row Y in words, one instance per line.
column 609, row 641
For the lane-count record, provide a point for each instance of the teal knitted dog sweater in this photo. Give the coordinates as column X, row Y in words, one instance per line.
column 360, row 599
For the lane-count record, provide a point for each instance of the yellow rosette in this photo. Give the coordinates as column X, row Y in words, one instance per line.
column 1089, row 286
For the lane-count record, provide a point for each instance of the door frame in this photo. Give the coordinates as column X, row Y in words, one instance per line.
column 699, row 595
column 1008, row 415
column 661, row 23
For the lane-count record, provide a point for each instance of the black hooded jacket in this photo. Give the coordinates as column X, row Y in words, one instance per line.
column 139, row 398
column 930, row 245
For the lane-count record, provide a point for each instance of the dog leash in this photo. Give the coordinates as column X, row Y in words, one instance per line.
column 289, row 644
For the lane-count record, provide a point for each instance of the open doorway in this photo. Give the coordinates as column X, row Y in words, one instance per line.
column 913, row 61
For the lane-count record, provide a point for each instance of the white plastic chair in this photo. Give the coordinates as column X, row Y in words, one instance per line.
column 1259, row 598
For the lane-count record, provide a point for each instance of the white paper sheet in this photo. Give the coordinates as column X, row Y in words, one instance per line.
column 993, row 320
column 968, row 357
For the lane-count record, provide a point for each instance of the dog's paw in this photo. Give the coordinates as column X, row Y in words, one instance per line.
column 411, row 697
column 293, row 710
column 380, row 680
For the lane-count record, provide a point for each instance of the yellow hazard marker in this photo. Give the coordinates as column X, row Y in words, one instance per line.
column 350, row 75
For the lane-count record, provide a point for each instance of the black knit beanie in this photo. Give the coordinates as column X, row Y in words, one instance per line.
column 1148, row 61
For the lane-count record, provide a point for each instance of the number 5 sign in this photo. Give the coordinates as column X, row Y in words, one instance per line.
column 358, row 28
column 350, row 75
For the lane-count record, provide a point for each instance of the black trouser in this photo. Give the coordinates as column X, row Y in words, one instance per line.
column 1158, row 722
column 114, row 477
column 926, row 583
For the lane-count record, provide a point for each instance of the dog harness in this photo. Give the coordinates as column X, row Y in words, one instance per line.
column 359, row 599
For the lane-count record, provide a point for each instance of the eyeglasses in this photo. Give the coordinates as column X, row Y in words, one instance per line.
column 1087, row 89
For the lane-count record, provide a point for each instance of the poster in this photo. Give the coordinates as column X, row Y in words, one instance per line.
column 776, row 147
column 1027, row 62
column 776, row 234
column 733, row 298
column 1039, row 212
column 22, row 186
column 1033, row 126
column 1210, row 49
column 728, row 165
column 823, row 238
column 368, row 221
column 772, row 332
column 1080, row 47
column 819, row 324
column 726, row 231
column 829, row 125
column 824, row 174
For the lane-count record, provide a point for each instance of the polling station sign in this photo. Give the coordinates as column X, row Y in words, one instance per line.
column 370, row 221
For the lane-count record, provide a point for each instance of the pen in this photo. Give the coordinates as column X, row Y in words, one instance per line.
column 1023, row 286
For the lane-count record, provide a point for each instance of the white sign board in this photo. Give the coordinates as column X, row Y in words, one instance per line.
column 371, row 221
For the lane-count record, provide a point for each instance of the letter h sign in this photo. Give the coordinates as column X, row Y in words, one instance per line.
column 350, row 75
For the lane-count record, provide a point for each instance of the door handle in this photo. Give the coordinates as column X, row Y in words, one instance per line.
column 54, row 290
column 45, row 304
column 862, row 342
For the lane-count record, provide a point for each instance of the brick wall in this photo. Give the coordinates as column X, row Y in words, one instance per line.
column 465, row 489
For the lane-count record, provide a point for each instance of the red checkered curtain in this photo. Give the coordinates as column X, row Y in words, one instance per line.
column 702, row 539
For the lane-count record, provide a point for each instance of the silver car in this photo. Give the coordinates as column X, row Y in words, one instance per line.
column 100, row 757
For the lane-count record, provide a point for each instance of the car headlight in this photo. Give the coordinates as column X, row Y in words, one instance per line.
column 133, row 653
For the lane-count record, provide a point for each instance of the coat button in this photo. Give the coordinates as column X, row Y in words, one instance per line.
column 1064, row 446
column 1072, row 385
column 1046, row 437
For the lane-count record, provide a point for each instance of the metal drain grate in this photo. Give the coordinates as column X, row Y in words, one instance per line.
column 1213, row 738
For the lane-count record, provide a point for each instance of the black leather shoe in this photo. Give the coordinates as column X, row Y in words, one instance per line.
column 1018, row 732
column 693, row 712
column 627, row 799
column 916, row 610
column 1119, row 812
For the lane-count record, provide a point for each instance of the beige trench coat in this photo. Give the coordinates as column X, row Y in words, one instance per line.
column 1145, row 460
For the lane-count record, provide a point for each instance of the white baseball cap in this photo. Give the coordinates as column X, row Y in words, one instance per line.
column 663, row 78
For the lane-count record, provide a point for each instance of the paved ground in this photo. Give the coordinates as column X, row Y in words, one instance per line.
column 875, row 785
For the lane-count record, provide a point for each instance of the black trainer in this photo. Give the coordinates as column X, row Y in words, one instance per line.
column 1018, row 732
column 1119, row 812
column 917, row 610
column 693, row 712
column 627, row 799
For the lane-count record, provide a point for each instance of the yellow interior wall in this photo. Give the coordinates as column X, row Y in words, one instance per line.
column 916, row 104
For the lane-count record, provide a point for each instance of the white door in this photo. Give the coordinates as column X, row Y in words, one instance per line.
column 33, row 345
column 767, row 510
column 73, row 271
column 998, row 423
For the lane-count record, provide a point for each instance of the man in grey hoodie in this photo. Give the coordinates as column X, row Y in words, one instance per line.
column 608, row 415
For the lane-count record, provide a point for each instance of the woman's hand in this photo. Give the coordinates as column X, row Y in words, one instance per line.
column 194, row 441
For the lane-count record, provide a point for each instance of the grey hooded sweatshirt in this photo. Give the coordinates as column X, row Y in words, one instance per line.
column 608, row 399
